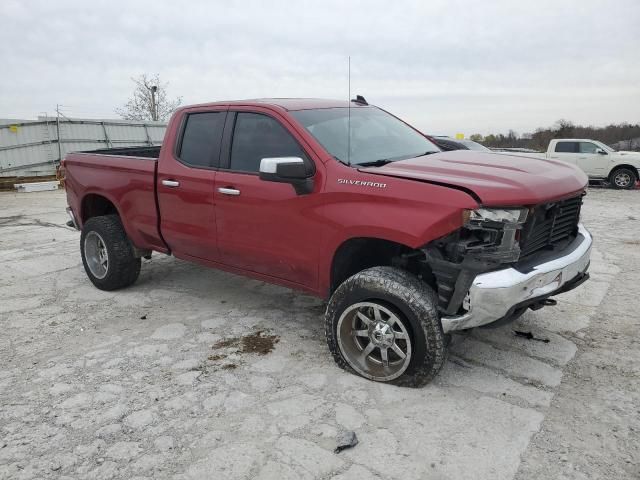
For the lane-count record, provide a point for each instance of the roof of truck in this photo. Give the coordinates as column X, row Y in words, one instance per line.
column 291, row 103
column 573, row 140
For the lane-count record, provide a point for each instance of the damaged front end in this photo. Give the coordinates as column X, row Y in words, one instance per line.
column 505, row 260
column 488, row 240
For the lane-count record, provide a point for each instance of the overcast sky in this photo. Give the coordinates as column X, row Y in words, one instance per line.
column 445, row 66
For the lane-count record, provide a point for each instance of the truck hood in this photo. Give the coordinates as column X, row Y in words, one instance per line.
column 628, row 154
column 493, row 179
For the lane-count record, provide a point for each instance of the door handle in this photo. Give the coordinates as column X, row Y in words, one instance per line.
column 229, row 191
column 171, row 183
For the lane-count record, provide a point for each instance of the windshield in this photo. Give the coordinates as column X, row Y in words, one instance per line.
column 376, row 136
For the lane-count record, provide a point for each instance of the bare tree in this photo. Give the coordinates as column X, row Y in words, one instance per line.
column 149, row 100
column 564, row 128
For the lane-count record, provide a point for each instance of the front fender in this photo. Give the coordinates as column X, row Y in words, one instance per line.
column 409, row 223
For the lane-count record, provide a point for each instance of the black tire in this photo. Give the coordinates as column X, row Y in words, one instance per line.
column 122, row 267
column 409, row 300
column 623, row 178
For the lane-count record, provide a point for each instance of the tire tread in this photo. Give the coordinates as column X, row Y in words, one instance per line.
column 124, row 267
column 632, row 174
column 417, row 296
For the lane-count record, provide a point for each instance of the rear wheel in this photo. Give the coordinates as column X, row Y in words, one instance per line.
column 383, row 324
column 107, row 253
column 623, row 178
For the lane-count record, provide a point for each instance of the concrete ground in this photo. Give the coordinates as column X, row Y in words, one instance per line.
column 157, row 381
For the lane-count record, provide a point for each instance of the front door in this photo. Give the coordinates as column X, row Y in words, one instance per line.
column 264, row 227
column 594, row 164
column 185, row 184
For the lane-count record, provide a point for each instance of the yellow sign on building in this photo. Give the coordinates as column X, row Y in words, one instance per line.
column 459, row 136
column 13, row 128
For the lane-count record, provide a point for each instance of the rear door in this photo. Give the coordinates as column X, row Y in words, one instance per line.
column 185, row 182
column 567, row 151
column 264, row 227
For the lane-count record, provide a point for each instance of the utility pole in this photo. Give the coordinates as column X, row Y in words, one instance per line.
column 154, row 104
column 58, row 132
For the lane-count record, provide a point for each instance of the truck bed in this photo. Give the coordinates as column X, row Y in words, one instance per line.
column 127, row 178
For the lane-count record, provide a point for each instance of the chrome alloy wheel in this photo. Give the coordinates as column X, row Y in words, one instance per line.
column 374, row 341
column 96, row 255
column 622, row 179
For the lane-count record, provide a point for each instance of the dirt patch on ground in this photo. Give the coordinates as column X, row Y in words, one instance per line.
column 216, row 357
column 256, row 342
column 226, row 343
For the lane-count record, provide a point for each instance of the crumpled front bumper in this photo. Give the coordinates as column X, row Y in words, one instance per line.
column 493, row 295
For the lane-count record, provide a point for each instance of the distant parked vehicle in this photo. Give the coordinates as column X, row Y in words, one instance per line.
column 598, row 160
column 448, row 143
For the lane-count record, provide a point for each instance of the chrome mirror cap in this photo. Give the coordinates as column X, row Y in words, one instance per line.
column 270, row 165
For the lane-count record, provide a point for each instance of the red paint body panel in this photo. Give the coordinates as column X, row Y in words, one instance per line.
column 496, row 179
column 188, row 216
column 271, row 233
column 129, row 183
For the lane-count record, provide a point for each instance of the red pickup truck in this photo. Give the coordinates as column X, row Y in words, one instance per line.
column 349, row 203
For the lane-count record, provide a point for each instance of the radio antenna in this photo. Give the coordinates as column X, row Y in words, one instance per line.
column 349, row 118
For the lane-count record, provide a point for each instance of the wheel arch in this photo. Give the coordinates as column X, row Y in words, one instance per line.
column 356, row 254
column 624, row 165
column 97, row 204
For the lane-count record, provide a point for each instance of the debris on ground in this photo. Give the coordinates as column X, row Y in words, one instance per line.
column 346, row 440
column 530, row 336
column 143, row 317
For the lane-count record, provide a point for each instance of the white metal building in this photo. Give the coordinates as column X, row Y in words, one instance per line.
column 35, row 147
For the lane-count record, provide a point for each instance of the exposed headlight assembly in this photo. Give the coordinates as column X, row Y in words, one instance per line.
column 497, row 215
column 492, row 233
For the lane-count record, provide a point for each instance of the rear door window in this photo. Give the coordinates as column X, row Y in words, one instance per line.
column 567, row 147
column 201, row 139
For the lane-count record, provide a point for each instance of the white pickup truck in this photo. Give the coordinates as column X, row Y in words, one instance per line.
column 597, row 160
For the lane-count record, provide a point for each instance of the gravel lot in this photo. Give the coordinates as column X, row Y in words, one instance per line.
column 175, row 377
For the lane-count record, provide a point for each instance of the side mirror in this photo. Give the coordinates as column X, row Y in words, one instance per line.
column 600, row 151
column 291, row 170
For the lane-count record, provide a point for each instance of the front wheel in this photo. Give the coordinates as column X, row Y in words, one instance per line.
column 383, row 324
column 107, row 253
column 623, row 178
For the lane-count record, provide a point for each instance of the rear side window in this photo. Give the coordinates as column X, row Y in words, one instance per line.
column 200, row 145
column 258, row 136
column 567, row 147
column 588, row 147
